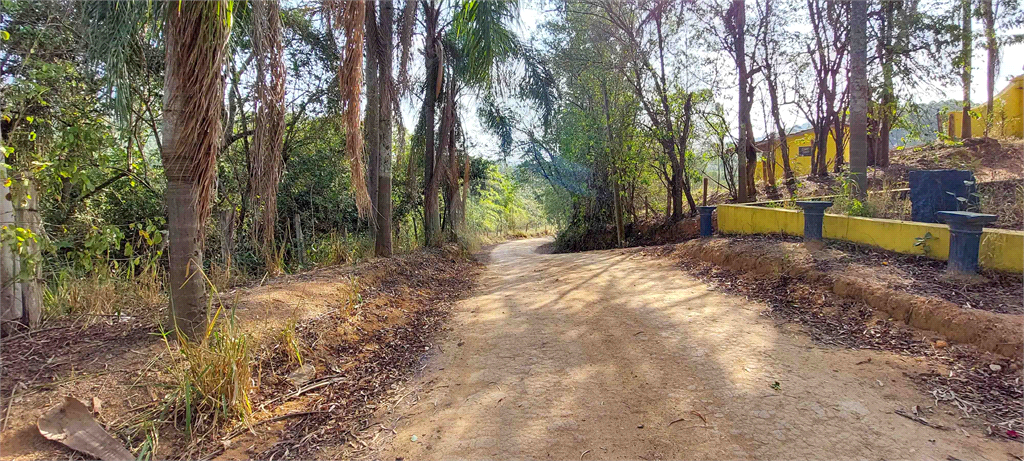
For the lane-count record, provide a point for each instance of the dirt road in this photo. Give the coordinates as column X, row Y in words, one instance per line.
column 608, row 355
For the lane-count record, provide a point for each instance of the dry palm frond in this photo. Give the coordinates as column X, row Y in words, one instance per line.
column 405, row 42
column 265, row 154
column 349, row 16
column 194, row 84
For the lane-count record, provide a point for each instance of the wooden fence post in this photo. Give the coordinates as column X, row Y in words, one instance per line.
column 20, row 292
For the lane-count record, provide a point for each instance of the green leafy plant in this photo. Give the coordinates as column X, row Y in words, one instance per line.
column 924, row 243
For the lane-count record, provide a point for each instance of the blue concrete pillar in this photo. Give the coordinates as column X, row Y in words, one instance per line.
column 964, row 238
column 705, row 220
column 814, row 215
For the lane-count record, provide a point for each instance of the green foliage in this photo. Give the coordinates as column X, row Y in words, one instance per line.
column 505, row 204
column 925, row 243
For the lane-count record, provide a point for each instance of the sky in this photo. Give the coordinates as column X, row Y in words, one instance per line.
column 534, row 12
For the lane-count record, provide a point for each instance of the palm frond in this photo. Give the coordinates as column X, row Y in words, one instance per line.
column 265, row 153
column 194, row 84
column 349, row 16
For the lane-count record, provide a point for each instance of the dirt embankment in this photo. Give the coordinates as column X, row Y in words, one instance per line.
column 362, row 327
column 991, row 331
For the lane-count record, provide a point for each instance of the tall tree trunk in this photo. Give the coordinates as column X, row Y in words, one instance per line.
column 382, row 244
column 300, row 240
column 620, row 237
column 371, row 123
column 193, row 102
column 683, row 141
column 739, row 18
column 967, row 38
column 887, row 106
column 773, row 96
column 431, row 207
column 772, row 81
column 465, row 187
column 992, row 46
column 859, row 96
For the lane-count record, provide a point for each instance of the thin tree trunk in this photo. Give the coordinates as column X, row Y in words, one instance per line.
column 965, row 75
column 859, row 96
column 992, row 46
column 431, row 207
column 227, row 237
column 617, row 208
column 888, row 103
column 300, row 240
column 738, row 10
column 383, row 244
column 465, row 187
column 371, row 124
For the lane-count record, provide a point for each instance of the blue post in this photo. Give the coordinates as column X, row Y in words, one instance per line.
column 964, row 238
column 814, row 216
column 705, row 220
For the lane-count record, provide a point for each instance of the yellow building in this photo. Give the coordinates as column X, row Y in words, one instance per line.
column 1007, row 107
column 800, row 149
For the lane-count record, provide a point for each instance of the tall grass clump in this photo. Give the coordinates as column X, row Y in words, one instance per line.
column 334, row 248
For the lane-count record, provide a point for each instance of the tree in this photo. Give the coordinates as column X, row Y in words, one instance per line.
column 641, row 31
column 967, row 49
column 770, row 38
column 735, row 19
column 385, row 58
column 193, row 102
column 825, row 106
column 859, row 95
column 268, row 141
column 988, row 16
column 482, row 40
column 431, row 90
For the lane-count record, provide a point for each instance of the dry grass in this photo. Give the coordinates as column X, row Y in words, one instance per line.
column 100, row 295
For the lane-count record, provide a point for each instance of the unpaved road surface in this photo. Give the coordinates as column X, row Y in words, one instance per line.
column 609, row 355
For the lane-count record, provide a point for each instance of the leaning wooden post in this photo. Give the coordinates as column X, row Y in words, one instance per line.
column 705, row 191
column 32, row 263
column 300, row 241
column 21, row 299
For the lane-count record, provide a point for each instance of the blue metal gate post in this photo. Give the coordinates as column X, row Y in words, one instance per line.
column 814, row 216
column 964, row 238
column 705, row 220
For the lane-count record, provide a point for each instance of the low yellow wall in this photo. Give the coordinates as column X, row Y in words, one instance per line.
column 1000, row 249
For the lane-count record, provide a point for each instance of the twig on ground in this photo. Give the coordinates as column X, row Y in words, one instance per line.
column 920, row 420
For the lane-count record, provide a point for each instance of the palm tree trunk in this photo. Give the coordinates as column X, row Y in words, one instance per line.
column 431, row 207
column 196, row 33
column 382, row 243
column 371, row 124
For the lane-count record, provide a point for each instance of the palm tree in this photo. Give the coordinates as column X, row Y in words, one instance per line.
column 196, row 33
column 859, row 95
column 482, row 40
column 385, row 59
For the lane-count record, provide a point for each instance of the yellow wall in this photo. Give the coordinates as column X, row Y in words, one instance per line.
column 1000, row 249
column 801, row 165
column 1007, row 122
